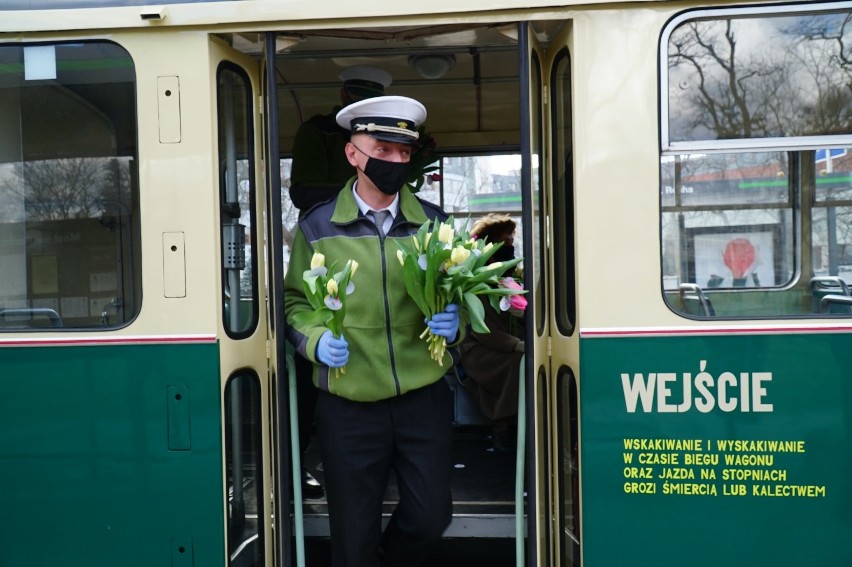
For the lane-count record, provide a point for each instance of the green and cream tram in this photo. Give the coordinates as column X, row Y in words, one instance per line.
column 681, row 171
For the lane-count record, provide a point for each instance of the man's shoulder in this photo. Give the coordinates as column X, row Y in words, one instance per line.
column 320, row 212
column 324, row 122
column 315, row 222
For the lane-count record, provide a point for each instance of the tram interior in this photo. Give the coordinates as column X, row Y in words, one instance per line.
column 466, row 76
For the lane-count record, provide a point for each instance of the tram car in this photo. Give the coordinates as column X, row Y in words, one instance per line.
column 681, row 176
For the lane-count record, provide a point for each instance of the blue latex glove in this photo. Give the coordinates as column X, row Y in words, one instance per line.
column 445, row 323
column 331, row 351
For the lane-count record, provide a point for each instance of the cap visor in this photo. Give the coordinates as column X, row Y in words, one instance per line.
column 390, row 137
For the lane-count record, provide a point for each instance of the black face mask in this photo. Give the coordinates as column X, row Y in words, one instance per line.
column 388, row 176
column 504, row 253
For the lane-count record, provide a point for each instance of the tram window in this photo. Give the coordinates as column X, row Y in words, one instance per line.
column 244, row 467
column 539, row 230
column 476, row 184
column 831, row 225
column 289, row 212
column 237, row 213
column 543, row 437
column 568, row 478
column 752, row 225
column 750, row 74
column 465, row 186
column 563, row 196
column 69, row 191
column 472, row 186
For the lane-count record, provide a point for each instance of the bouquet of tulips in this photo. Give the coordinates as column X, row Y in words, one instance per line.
column 326, row 291
column 442, row 266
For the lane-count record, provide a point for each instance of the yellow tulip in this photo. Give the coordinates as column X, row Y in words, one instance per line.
column 354, row 268
column 401, row 257
column 317, row 260
column 331, row 288
column 445, row 234
column 459, row 254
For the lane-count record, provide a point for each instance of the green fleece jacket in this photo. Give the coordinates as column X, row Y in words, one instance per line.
column 382, row 324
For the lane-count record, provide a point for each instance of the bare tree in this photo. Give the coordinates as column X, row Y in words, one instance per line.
column 825, row 50
column 731, row 94
column 60, row 189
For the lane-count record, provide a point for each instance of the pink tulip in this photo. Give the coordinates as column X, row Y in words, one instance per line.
column 512, row 301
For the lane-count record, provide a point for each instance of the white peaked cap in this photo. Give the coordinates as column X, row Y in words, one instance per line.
column 366, row 73
column 390, row 118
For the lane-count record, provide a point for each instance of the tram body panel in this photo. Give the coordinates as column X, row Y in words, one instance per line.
column 108, row 448
column 116, row 436
column 650, row 376
column 616, row 169
column 764, row 422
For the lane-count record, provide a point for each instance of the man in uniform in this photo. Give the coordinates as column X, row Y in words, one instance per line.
column 319, row 170
column 391, row 410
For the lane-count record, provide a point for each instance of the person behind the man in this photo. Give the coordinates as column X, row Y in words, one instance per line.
column 391, row 410
column 320, row 167
column 492, row 360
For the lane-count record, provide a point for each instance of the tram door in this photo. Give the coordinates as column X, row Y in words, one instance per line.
column 536, row 280
column 245, row 348
column 564, row 337
column 550, row 365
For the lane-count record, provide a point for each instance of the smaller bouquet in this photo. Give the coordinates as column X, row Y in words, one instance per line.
column 514, row 304
column 442, row 266
column 326, row 291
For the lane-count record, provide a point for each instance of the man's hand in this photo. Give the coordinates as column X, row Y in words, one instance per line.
column 445, row 323
column 331, row 351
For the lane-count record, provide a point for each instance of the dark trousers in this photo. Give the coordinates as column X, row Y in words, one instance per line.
column 360, row 443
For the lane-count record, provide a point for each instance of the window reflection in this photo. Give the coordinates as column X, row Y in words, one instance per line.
column 69, row 211
column 753, row 229
column 760, row 76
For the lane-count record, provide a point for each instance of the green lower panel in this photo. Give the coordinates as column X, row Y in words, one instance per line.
column 717, row 450
column 111, row 455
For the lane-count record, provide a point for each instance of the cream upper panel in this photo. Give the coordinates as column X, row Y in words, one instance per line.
column 256, row 11
column 616, row 168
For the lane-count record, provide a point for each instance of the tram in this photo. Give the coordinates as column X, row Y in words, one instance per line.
column 682, row 174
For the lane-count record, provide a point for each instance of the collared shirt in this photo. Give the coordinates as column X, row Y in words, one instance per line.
column 393, row 208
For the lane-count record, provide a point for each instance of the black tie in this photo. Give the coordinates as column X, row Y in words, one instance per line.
column 379, row 219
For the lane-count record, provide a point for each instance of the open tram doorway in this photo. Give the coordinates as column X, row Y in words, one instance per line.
column 469, row 77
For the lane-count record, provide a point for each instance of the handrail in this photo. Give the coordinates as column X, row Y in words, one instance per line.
column 520, row 456
column 833, row 299
column 55, row 319
column 684, row 288
column 296, row 458
column 824, row 282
